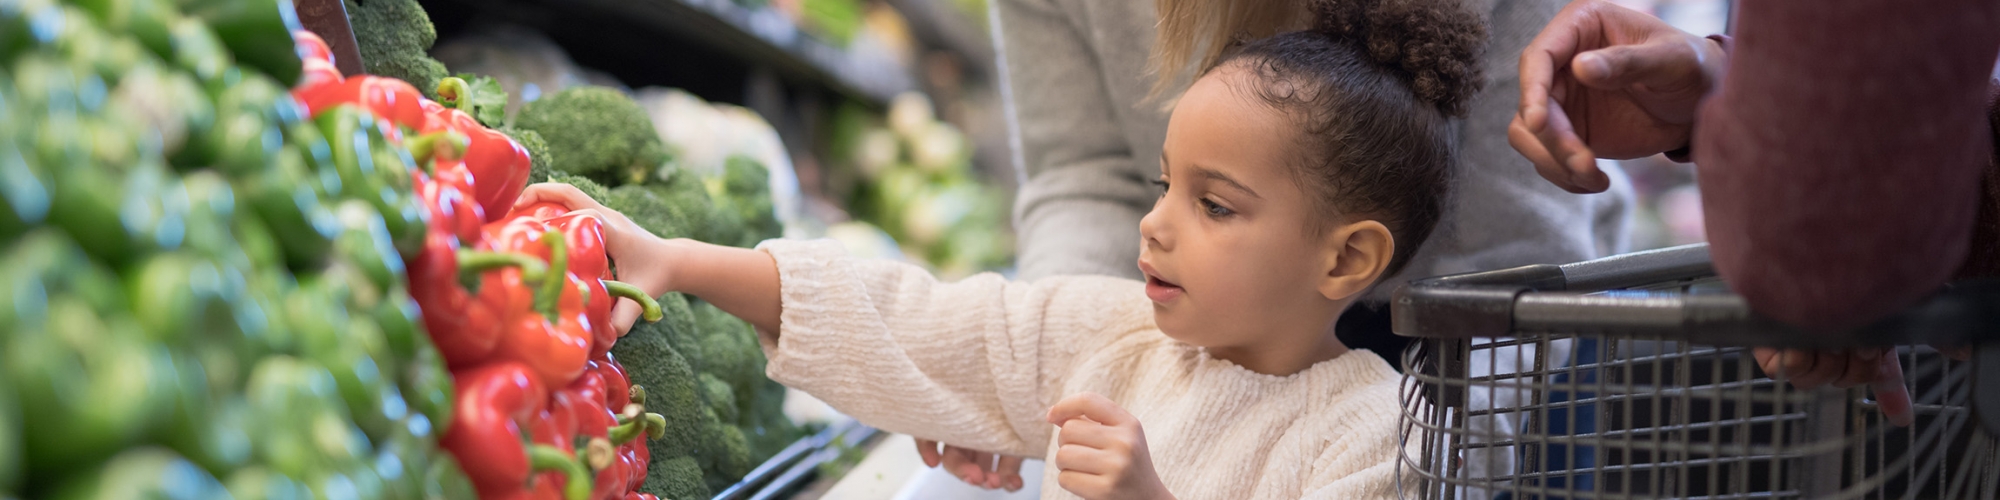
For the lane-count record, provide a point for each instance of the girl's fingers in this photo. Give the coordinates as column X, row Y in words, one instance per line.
column 1087, row 433
column 1087, row 460
column 1890, row 393
column 961, row 464
column 1091, row 405
column 928, row 449
column 624, row 315
column 1009, row 471
column 555, row 192
column 1090, row 486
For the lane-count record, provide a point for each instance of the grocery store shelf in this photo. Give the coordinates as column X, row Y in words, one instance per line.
column 755, row 37
column 939, row 25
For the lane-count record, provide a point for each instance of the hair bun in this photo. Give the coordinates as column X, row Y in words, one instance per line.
column 1436, row 44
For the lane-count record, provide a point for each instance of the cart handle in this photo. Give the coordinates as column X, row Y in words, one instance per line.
column 1592, row 297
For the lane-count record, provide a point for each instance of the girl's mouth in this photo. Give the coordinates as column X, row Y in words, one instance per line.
column 1162, row 291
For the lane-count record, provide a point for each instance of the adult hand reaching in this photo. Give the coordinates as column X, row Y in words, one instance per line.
column 1631, row 88
column 975, row 467
column 1877, row 368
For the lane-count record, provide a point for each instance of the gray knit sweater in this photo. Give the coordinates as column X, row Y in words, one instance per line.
column 1075, row 82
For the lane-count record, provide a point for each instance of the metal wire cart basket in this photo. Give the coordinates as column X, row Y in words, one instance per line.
column 1632, row 377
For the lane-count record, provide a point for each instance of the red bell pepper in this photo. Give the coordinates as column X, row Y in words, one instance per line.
column 553, row 337
column 467, row 328
column 584, row 233
column 495, row 402
column 318, row 60
column 500, row 164
column 387, row 98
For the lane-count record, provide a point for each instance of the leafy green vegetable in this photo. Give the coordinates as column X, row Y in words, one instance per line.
column 484, row 99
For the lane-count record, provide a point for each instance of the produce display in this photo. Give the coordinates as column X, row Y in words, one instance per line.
column 916, row 183
column 204, row 292
column 702, row 367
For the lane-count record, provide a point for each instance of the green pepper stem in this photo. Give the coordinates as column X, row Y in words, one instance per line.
column 599, row 453
column 443, row 143
column 656, row 426
column 637, row 394
column 542, row 457
column 628, row 430
column 552, row 283
column 478, row 261
column 650, row 307
column 451, row 92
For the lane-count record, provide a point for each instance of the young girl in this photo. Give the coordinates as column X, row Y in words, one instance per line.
column 1299, row 170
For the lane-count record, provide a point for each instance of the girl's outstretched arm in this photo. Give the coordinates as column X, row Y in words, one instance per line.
column 740, row 281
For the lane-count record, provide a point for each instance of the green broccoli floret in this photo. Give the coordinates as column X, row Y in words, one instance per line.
column 721, row 398
column 646, row 209
column 671, row 385
column 589, row 187
column 596, row 132
column 538, row 152
column 727, row 457
column 676, row 478
column 745, row 189
column 395, row 38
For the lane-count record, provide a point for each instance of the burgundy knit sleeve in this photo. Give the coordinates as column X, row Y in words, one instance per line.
column 1840, row 159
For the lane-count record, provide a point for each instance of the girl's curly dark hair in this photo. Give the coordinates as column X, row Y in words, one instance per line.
column 1375, row 86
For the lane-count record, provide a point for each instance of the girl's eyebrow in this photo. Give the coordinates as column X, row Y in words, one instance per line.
column 1225, row 179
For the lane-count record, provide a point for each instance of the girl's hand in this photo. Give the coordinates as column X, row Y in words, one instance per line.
column 1102, row 452
column 974, row 467
column 640, row 256
column 1878, row 368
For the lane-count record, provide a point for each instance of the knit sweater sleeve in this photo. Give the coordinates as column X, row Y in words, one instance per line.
column 975, row 363
column 1360, row 463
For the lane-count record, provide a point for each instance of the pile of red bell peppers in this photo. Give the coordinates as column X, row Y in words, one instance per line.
column 517, row 301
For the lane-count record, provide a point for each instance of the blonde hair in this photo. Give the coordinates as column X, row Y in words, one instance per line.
column 1192, row 34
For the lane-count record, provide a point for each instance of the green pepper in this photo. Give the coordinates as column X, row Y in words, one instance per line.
column 317, row 154
column 210, row 422
column 372, row 399
column 28, row 24
column 285, row 200
column 259, row 32
column 402, row 324
column 374, row 170
column 87, row 381
column 365, row 244
column 258, row 483
column 10, row 440
column 199, row 51
column 24, row 190
column 259, row 249
column 87, row 386
column 296, row 416
column 174, row 293
column 428, row 386
column 445, row 481
column 403, row 458
column 152, row 473
column 150, row 22
column 167, row 105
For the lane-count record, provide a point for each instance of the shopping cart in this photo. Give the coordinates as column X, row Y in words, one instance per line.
column 1632, row 377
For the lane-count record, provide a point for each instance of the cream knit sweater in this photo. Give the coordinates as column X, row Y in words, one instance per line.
column 978, row 363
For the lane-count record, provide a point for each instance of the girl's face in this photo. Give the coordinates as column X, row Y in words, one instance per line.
column 1227, row 254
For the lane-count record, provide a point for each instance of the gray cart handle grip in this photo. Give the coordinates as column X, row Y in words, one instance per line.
column 1592, row 298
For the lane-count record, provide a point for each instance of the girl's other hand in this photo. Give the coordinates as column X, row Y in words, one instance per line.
column 1878, row 368
column 638, row 254
column 1102, row 452
column 974, row 467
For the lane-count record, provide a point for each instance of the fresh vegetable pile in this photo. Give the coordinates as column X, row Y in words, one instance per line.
column 518, row 301
column 703, row 367
column 916, row 183
column 204, row 293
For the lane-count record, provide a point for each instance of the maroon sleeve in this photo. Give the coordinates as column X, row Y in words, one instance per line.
column 1840, row 159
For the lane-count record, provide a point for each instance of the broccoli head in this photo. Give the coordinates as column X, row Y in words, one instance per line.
column 596, row 132
column 744, row 190
column 538, row 153
column 676, row 478
column 646, row 209
column 727, row 457
column 395, row 38
column 672, row 389
column 589, row 187
column 721, row 398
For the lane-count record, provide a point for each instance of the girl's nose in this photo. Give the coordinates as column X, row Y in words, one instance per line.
column 1153, row 228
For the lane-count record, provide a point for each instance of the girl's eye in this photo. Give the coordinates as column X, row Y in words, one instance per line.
column 1215, row 210
column 1162, row 183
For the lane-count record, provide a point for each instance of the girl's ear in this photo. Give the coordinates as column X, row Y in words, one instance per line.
column 1356, row 255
